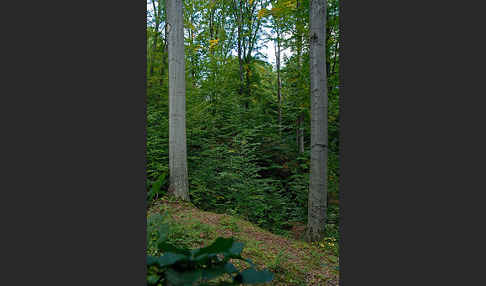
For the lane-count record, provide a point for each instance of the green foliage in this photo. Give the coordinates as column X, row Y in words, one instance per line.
column 240, row 160
column 157, row 231
column 230, row 224
column 276, row 265
column 183, row 266
column 156, row 187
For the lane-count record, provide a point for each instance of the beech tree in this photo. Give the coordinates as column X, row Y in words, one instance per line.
column 317, row 205
column 179, row 186
column 237, row 100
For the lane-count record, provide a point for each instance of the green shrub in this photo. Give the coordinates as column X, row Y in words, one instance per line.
column 181, row 266
column 237, row 161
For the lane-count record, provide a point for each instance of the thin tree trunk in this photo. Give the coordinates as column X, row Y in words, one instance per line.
column 248, row 90
column 240, row 62
column 179, row 186
column 154, row 46
column 335, row 56
column 191, row 39
column 331, row 74
column 318, row 169
column 279, row 84
column 301, row 133
column 299, row 44
column 299, row 37
column 164, row 54
column 238, row 16
column 154, row 49
column 162, row 67
column 297, row 133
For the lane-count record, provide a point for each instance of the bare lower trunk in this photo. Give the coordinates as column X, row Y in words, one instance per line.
column 154, row 49
column 297, row 133
column 279, row 84
column 163, row 63
column 299, row 38
column 240, row 60
column 154, row 43
column 301, row 134
column 165, row 52
column 318, row 170
column 177, row 102
column 248, row 90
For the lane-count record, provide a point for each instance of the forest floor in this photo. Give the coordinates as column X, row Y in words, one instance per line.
column 293, row 261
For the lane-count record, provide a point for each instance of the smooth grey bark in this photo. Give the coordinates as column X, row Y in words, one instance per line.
column 318, row 169
column 179, row 186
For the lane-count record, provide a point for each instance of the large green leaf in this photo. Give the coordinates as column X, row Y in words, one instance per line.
column 220, row 245
column 252, row 276
column 219, row 284
column 236, row 248
column 218, row 270
column 156, row 186
column 158, row 183
column 170, row 258
column 152, row 279
column 167, row 247
column 183, row 278
column 152, row 260
column 230, row 268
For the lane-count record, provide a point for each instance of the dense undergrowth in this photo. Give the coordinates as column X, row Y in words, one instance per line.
column 291, row 262
column 242, row 159
column 209, row 265
column 239, row 167
column 238, row 162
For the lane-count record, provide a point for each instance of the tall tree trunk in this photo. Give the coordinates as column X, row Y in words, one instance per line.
column 335, row 55
column 301, row 133
column 248, row 89
column 297, row 132
column 239, row 18
column 331, row 74
column 164, row 54
column 299, row 43
column 154, row 43
column 191, row 39
column 279, row 83
column 179, row 186
column 299, row 37
column 154, row 50
column 318, row 169
column 240, row 62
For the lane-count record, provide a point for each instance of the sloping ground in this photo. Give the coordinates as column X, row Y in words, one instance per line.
column 293, row 262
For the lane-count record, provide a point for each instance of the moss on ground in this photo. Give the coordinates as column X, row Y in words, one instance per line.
column 293, row 262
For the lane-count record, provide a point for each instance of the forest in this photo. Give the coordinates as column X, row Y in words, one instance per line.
column 242, row 142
